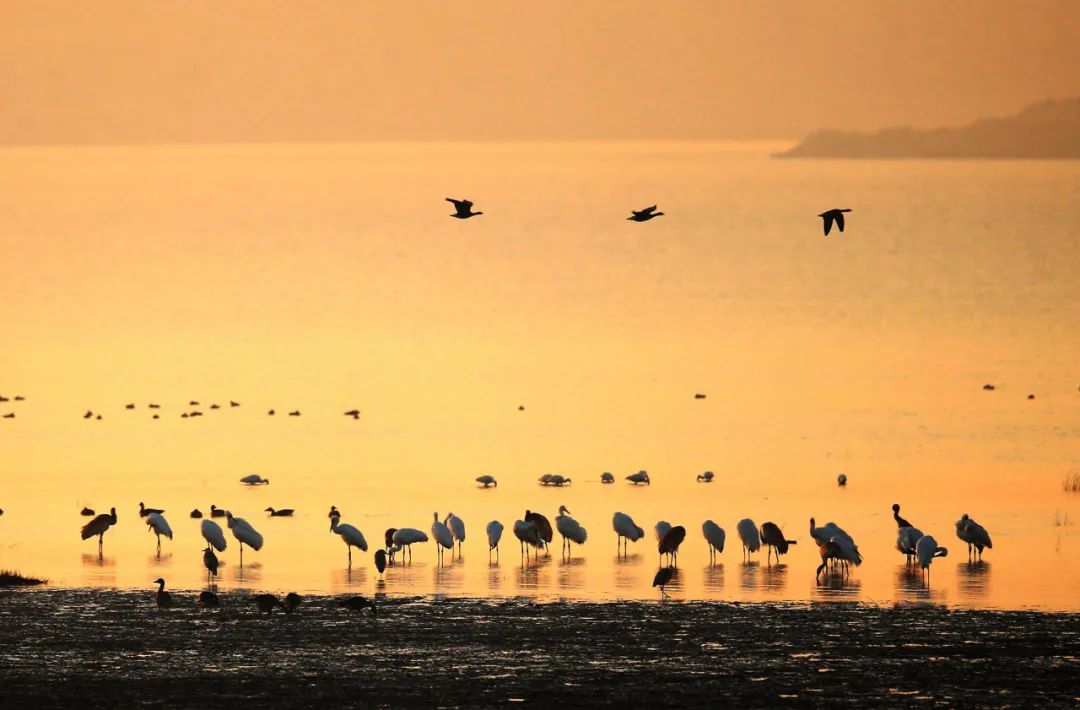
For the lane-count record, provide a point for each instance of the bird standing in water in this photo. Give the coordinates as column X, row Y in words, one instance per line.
column 99, row 526
column 663, row 577
column 163, row 598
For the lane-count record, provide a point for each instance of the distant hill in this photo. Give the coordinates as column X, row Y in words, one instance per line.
column 1049, row 129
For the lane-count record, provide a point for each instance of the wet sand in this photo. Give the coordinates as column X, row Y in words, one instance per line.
column 61, row 647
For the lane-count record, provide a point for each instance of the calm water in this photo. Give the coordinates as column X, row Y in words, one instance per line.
column 322, row 278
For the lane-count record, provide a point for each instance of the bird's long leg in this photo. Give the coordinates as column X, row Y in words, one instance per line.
column 349, row 548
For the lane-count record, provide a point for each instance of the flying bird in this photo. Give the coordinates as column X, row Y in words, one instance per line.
column 644, row 215
column 463, row 208
column 833, row 216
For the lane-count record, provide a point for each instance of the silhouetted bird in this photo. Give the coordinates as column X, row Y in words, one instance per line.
column 88, row 414
column 265, row 602
column 1031, row 396
column 210, row 560
column 20, row 398
column 4, row 399
column 196, row 513
column 154, row 406
column 144, row 511
column 380, row 560
column 669, row 545
column 163, row 598
column 196, row 414
column 543, row 526
column 354, row 413
column 216, row 512
column 699, row 396
column 98, row 417
column 9, row 415
column 833, row 216
column 283, row 513
column 233, row 404
column 333, row 511
column 358, row 604
column 644, row 215
column 156, row 416
column 271, row 413
column 292, row 600
column 521, row 408
column 207, row 600
column 88, row 512
column 900, row 522
column 214, row 406
column 129, row 406
column 294, row 413
column 463, row 208
column 193, row 403
column 988, row 388
column 184, row 415
column 663, row 578
column 773, row 538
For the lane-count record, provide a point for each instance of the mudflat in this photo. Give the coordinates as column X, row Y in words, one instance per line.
column 110, row 648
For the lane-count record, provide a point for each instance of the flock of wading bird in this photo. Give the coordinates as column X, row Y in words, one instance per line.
column 534, row 531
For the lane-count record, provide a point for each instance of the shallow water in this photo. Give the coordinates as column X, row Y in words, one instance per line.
column 323, row 278
column 94, row 646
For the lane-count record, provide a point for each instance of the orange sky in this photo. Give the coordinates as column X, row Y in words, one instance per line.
column 132, row 71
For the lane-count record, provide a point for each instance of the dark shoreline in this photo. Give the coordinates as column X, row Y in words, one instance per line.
column 93, row 647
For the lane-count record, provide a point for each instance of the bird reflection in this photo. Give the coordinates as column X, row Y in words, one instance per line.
column 748, row 576
column 714, row 577
column 248, row 573
column 494, row 577
column 572, row 573
column 349, row 577
column 99, row 570
column 834, row 585
column 98, row 560
column 160, row 560
column 774, row 578
column 627, row 574
column 908, row 586
column 528, row 575
column 973, row 579
column 447, row 576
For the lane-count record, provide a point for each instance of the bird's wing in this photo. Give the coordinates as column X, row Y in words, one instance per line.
column 840, row 220
column 456, row 202
column 648, row 210
column 828, row 223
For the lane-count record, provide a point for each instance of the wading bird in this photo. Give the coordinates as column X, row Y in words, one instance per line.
column 163, row 598
column 457, row 529
column 487, row 480
column 900, row 522
column 160, row 526
column 926, row 550
column 773, row 537
column 380, row 560
column 973, row 534
column 494, row 534
column 639, row 477
column 213, row 534
column 527, row 534
column 831, row 216
column 358, row 604
column 245, row 534
column 670, row 544
column 543, row 526
column 607, row 477
column 663, row 577
column 210, row 562
column 907, row 540
column 570, row 530
column 443, row 537
column 715, row 536
column 350, row 535
column 254, row 479
column 748, row 534
column 99, row 526
column 406, row 538
column 462, row 208
column 661, row 529
column 644, row 215
column 625, row 530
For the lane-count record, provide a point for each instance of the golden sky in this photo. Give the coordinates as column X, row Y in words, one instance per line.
column 119, row 71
